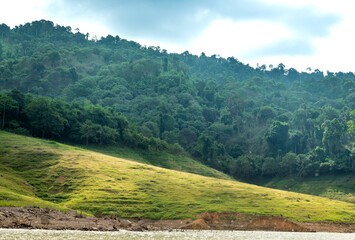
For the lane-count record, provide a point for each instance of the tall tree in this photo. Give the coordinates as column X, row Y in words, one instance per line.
column 332, row 135
column 277, row 136
column 6, row 104
column 45, row 119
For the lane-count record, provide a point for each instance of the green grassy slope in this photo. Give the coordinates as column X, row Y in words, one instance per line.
column 98, row 183
column 160, row 159
column 339, row 187
column 15, row 190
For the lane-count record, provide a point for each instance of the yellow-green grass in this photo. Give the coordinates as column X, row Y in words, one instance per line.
column 15, row 191
column 160, row 159
column 102, row 184
column 340, row 187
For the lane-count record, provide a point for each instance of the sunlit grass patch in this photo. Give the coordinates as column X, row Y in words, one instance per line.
column 338, row 187
column 102, row 184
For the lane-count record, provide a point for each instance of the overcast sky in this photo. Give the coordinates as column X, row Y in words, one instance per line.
column 298, row 33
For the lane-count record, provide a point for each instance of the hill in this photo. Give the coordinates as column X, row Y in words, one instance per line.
column 42, row 172
column 270, row 121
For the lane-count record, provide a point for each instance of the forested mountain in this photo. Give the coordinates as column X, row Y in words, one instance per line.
column 247, row 122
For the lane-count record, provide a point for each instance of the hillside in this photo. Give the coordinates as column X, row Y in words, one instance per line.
column 269, row 121
column 41, row 172
column 340, row 187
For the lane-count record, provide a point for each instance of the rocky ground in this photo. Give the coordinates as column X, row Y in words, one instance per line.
column 38, row 218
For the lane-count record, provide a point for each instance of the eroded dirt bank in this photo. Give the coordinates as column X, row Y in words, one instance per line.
column 32, row 217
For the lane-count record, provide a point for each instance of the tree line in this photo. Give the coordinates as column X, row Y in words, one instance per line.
column 56, row 119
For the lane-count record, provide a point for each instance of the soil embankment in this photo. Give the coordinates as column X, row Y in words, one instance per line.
column 33, row 217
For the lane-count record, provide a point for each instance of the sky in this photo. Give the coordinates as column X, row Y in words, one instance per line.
column 301, row 34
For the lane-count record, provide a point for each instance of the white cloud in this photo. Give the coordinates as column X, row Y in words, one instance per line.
column 16, row 12
column 228, row 38
column 333, row 53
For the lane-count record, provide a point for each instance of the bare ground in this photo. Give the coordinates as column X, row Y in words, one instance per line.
column 45, row 218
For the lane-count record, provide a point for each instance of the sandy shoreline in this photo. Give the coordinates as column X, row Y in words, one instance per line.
column 45, row 218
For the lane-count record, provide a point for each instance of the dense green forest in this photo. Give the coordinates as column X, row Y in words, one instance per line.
column 248, row 122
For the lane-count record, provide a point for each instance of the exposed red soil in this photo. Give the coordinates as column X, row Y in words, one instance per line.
column 235, row 221
column 33, row 217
